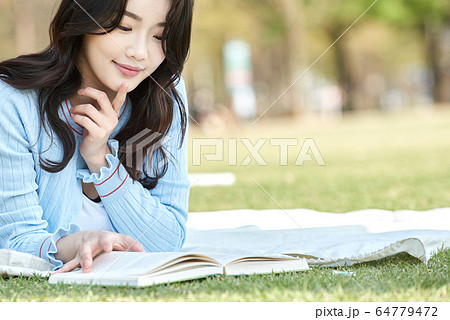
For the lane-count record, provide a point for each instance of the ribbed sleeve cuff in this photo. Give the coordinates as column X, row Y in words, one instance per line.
column 111, row 180
column 48, row 247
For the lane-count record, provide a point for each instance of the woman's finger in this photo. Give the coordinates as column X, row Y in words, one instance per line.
column 99, row 96
column 106, row 244
column 137, row 247
column 88, row 110
column 69, row 266
column 119, row 244
column 86, row 258
column 130, row 244
column 120, row 97
column 93, row 129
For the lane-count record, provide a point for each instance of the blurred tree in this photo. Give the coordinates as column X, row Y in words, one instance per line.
column 7, row 49
column 334, row 18
column 295, row 41
column 272, row 27
column 431, row 19
column 25, row 27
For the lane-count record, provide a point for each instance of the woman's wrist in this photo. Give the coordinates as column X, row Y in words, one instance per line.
column 63, row 246
column 59, row 255
column 95, row 164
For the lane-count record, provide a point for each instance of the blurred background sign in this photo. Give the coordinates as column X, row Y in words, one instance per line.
column 237, row 56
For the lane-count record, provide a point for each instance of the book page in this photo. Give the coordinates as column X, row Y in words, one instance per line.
column 249, row 263
column 182, row 274
column 183, row 264
column 131, row 263
column 142, row 268
column 259, row 266
column 138, row 263
column 187, row 258
column 224, row 258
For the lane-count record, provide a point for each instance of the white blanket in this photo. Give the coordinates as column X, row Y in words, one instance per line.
column 323, row 238
column 327, row 239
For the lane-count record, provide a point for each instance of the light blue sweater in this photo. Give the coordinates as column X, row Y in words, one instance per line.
column 37, row 208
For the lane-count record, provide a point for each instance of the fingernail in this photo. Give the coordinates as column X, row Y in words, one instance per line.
column 80, row 91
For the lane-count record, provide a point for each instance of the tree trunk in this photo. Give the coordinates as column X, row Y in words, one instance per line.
column 295, row 52
column 347, row 77
column 434, row 54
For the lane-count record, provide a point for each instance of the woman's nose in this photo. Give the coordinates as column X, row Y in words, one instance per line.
column 138, row 49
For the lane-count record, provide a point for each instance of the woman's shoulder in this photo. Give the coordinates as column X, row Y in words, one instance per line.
column 18, row 106
column 17, row 97
column 180, row 86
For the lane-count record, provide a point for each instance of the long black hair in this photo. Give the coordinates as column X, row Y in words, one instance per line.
column 54, row 72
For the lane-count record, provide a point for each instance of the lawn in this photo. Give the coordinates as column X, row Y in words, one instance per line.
column 387, row 161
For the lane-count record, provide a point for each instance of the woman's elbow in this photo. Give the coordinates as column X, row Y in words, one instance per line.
column 171, row 243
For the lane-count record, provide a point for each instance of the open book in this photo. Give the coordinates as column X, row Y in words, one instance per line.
column 147, row 268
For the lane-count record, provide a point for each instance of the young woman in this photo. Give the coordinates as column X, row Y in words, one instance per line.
column 111, row 171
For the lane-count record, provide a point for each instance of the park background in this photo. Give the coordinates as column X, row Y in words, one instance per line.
column 368, row 81
column 376, row 102
column 396, row 56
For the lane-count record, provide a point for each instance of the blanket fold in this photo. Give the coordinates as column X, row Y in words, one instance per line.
column 323, row 238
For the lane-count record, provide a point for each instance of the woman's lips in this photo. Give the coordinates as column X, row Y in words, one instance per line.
column 126, row 72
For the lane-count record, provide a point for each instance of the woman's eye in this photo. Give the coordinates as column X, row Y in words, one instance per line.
column 158, row 37
column 124, row 28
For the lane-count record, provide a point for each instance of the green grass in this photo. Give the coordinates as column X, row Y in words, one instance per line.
column 390, row 162
column 399, row 278
column 386, row 162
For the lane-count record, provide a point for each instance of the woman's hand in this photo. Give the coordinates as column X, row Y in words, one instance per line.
column 79, row 249
column 98, row 124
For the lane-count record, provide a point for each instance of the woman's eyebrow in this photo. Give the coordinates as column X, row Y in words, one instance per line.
column 133, row 16
column 136, row 17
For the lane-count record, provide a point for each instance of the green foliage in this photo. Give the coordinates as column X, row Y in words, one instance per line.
column 400, row 13
column 412, row 13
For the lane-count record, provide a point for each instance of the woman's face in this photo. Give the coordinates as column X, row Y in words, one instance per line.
column 135, row 43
